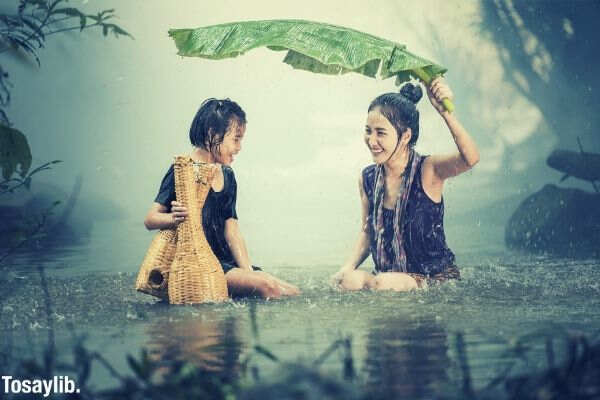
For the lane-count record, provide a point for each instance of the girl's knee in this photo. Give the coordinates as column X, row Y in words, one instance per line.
column 269, row 289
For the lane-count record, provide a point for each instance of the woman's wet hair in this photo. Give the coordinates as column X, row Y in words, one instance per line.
column 400, row 109
column 212, row 121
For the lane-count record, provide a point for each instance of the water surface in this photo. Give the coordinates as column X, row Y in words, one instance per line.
column 401, row 343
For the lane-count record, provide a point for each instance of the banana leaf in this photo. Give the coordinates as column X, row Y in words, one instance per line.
column 310, row 46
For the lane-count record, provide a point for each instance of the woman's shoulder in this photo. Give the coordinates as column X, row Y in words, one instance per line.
column 367, row 177
column 368, row 172
column 369, row 169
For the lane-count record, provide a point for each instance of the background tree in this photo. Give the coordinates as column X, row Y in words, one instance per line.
column 549, row 54
column 22, row 34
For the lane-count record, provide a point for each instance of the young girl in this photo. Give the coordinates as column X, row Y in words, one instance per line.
column 216, row 134
column 401, row 195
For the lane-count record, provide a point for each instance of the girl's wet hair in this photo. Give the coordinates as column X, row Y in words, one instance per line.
column 400, row 109
column 212, row 121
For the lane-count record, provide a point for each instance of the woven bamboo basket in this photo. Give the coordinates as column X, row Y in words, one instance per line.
column 153, row 277
column 180, row 265
column 196, row 275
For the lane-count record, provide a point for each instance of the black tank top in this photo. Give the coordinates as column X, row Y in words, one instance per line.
column 423, row 227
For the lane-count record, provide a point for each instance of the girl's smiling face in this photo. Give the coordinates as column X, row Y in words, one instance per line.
column 380, row 136
column 231, row 144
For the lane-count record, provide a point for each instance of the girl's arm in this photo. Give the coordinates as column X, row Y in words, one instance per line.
column 236, row 244
column 159, row 218
column 442, row 167
column 361, row 249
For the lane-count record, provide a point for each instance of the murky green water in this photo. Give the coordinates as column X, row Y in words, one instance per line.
column 402, row 343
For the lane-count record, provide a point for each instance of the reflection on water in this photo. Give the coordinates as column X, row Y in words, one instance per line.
column 404, row 341
column 211, row 344
column 406, row 357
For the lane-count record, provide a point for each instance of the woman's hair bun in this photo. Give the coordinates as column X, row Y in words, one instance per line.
column 412, row 92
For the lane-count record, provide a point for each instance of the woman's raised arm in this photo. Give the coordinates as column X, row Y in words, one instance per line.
column 447, row 166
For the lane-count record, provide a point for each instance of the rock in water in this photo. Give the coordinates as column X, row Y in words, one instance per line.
column 558, row 221
column 580, row 165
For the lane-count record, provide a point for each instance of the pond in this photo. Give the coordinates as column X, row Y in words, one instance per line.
column 405, row 344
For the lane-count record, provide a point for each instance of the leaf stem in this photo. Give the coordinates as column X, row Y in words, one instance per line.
column 426, row 78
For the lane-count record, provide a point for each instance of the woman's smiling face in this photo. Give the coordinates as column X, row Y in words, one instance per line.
column 380, row 136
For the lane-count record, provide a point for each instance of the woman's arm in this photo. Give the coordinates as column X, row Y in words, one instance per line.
column 361, row 249
column 443, row 167
column 159, row 218
column 236, row 244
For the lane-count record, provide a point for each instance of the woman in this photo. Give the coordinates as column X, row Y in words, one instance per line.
column 216, row 134
column 401, row 195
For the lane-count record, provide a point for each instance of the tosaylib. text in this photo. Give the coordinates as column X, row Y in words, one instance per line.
column 45, row 387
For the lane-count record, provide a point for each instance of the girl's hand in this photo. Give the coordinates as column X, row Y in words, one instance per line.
column 178, row 213
column 437, row 91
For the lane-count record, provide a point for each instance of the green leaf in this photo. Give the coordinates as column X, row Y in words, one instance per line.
column 265, row 352
column 25, row 45
column 34, row 25
column 41, row 4
column 106, row 14
column 135, row 366
column 69, row 11
column 117, row 30
column 313, row 46
column 54, row 4
column 14, row 151
column 73, row 12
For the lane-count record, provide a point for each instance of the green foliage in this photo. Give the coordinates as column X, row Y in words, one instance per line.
column 577, row 376
column 11, row 184
column 311, row 46
column 4, row 96
column 25, row 32
column 31, row 227
column 14, row 152
column 548, row 55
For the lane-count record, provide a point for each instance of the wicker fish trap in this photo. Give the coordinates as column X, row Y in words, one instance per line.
column 154, row 272
column 190, row 273
column 196, row 275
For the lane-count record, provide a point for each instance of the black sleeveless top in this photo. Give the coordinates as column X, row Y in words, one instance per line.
column 423, row 227
column 218, row 207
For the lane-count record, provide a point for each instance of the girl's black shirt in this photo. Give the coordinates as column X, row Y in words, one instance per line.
column 218, row 207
